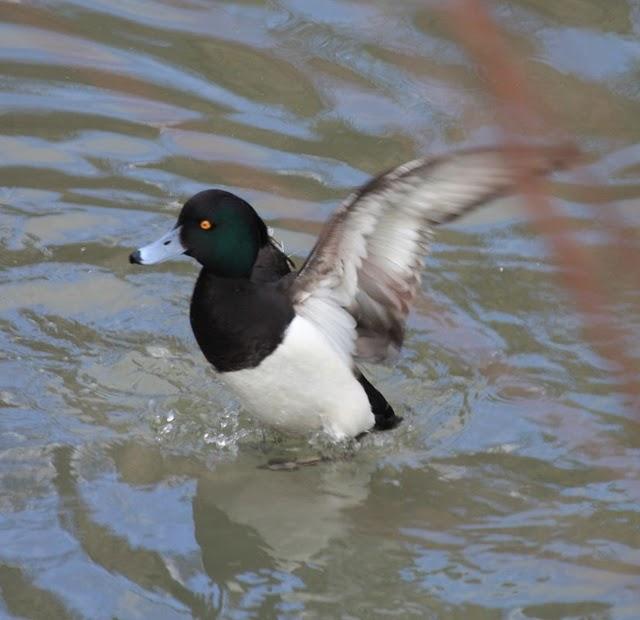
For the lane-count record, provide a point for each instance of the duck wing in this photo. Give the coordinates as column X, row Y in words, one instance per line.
column 360, row 279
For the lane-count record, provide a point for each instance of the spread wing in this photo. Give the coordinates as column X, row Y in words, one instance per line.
column 362, row 275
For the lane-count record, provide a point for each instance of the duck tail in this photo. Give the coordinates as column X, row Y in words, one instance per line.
column 385, row 416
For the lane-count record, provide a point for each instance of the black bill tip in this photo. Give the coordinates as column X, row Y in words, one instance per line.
column 135, row 258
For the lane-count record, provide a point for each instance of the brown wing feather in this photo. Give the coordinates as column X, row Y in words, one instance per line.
column 362, row 275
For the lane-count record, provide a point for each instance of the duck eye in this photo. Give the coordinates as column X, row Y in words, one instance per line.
column 206, row 225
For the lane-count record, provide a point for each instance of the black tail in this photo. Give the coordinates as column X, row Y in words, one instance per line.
column 385, row 416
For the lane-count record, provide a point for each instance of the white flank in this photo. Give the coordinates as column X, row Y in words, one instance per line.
column 304, row 386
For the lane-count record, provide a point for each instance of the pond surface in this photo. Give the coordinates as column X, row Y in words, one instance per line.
column 130, row 481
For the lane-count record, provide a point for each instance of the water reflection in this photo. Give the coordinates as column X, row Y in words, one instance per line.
column 248, row 527
column 168, row 532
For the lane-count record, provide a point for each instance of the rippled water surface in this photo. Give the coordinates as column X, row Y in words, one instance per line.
column 130, row 480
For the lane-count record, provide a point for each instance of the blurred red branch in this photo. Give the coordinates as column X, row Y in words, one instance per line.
column 521, row 115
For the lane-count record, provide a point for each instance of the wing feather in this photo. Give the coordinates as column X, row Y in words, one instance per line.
column 362, row 275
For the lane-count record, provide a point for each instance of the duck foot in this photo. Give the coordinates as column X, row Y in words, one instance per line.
column 293, row 465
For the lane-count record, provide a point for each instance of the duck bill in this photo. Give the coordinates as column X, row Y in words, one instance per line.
column 167, row 247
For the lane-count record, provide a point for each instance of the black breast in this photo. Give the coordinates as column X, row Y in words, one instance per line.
column 238, row 323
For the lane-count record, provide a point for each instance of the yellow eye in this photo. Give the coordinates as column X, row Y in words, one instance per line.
column 206, row 225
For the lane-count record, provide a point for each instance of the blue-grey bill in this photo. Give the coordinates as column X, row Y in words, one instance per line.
column 168, row 246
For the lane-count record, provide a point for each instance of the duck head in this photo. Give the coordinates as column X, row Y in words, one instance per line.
column 217, row 228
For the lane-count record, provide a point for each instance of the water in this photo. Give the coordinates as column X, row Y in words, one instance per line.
column 130, row 482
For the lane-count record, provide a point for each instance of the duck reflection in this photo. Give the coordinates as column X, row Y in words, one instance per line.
column 248, row 523
column 289, row 516
column 249, row 517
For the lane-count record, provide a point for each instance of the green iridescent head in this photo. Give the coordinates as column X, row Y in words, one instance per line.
column 221, row 231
